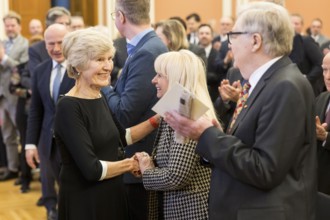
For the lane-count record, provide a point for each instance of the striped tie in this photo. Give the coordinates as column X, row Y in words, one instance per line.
column 240, row 103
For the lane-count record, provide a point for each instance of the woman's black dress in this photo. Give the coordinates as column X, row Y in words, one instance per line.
column 86, row 133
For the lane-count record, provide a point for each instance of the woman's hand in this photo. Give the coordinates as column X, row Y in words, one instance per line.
column 135, row 169
column 145, row 161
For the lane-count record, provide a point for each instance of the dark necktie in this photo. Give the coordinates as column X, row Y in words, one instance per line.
column 243, row 96
column 57, row 82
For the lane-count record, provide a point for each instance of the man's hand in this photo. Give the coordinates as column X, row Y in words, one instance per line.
column 230, row 92
column 32, row 157
column 187, row 127
column 321, row 132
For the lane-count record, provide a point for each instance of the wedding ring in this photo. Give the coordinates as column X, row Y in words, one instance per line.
column 145, row 154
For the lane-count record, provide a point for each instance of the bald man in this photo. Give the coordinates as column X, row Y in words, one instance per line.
column 40, row 145
column 322, row 130
column 35, row 27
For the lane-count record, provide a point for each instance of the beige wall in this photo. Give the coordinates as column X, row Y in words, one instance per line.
column 212, row 9
column 207, row 9
column 310, row 10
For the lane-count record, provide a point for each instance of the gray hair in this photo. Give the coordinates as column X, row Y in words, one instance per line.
column 54, row 13
column 81, row 46
column 272, row 22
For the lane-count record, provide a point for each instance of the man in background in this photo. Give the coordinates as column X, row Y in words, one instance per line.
column 14, row 51
column 322, row 130
column 35, row 27
column 48, row 82
column 77, row 23
column 193, row 22
column 316, row 31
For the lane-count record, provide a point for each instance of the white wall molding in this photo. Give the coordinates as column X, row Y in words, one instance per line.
column 227, row 8
column 4, row 8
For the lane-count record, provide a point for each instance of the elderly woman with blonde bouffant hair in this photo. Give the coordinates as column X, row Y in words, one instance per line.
column 91, row 185
column 178, row 183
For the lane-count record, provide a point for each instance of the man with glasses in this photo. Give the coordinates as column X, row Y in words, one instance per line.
column 265, row 167
column 133, row 96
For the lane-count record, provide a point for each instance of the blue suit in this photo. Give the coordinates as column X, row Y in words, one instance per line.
column 134, row 95
column 40, row 125
column 131, row 101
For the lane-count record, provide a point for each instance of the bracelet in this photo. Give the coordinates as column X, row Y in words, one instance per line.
column 154, row 123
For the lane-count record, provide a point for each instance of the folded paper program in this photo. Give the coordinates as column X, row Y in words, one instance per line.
column 180, row 99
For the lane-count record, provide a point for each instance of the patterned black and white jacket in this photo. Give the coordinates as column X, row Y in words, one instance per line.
column 179, row 177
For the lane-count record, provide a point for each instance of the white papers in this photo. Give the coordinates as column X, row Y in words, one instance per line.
column 170, row 101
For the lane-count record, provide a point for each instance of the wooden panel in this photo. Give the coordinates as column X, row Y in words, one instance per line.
column 28, row 10
column 87, row 9
column 38, row 9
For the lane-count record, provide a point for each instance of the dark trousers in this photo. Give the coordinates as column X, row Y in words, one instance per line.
column 50, row 170
column 3, row 158
column 137, row 201
column 21, row 122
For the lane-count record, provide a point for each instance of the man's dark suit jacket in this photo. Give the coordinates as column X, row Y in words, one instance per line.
column 37, row 54
column 323, row 149
column 119, row 58
column 221, row 66
column 42, row 109
column 267, row 168
column 200, row 52
column 214, row 75
column 312, row 64
column 134, row 95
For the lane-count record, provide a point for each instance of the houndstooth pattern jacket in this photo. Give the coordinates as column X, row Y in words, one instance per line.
column 185, row 183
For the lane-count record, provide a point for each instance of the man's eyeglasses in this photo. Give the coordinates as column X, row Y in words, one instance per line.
column 113, row 15
column 232, row 33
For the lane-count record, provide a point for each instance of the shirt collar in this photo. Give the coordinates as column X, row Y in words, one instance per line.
column 208, row 50
column 258, row 73
column 136, row 39
column 12, row 40
column 56, row 63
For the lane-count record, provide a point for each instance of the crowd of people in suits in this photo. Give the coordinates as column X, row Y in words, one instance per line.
column 253, row 156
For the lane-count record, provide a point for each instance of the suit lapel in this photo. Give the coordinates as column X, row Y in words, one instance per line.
column 122, row 79
column 258, row 88
column 324, row 107
column 47, row 74
column 65, row 84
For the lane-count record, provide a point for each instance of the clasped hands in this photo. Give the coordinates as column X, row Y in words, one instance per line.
column 142, row 161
